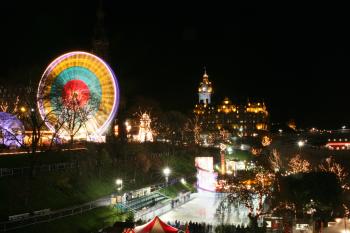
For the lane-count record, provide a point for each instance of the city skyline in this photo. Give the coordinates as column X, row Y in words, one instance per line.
column 295, row 64
column 119, row 116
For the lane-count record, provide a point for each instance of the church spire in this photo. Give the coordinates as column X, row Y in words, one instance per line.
column 100, row 43
column 205, row 72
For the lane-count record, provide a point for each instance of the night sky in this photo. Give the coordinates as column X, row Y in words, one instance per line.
column 296, row 58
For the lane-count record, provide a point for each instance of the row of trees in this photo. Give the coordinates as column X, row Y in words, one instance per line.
column 299, row 165
column 173, row 126
column 68, row 114
column 294, row 189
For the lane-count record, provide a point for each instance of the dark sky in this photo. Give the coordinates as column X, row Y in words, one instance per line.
column 296, row 58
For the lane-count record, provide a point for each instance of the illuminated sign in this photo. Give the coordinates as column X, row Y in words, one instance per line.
column 302, row 226
column 205, row 163
column 268, row 224
column 206, row 177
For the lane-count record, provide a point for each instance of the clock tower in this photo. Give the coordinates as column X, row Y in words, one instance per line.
column 205, row 90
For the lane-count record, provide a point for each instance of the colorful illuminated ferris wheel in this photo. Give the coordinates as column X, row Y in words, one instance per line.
column 78, row 94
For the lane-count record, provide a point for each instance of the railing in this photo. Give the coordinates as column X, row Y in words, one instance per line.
column 145, row 201
column 21, row 171
column 162, row 207
column 45, row 216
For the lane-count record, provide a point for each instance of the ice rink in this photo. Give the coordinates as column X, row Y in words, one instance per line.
column 203, row 208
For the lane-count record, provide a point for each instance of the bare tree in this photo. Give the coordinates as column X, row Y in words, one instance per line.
column 193, row 128
column 12, row 108
column 251, row 190
column 28, row 113
column 4, row 106
column 275, row 160
column 72, row 113
column 298, row 165
column 330, row 165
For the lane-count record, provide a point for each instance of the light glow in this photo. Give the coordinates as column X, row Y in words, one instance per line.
column 102, row 86
column 166, row 171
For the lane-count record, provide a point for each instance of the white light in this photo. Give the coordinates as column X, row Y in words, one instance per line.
column 343, row 127
column 280, row 130
column 119, row 181
column 301, row 143
column 183, row 181
column 166, row 171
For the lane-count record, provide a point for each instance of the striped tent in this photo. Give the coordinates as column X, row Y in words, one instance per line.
column 156, row 226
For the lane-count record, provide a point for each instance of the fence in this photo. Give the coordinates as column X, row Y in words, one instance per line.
column 21, row 171
column 47, row 216
column 161, row 208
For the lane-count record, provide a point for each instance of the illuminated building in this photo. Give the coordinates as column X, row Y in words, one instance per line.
column 11, row 130
column 338, row 144
column 145, row 133
column 291, row 124
column 245, row 120
column 138, row 128
column 205, row 111
column 255, row 118
column 227, row 115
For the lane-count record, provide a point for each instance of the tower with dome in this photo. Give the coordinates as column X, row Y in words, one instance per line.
column 205, row 90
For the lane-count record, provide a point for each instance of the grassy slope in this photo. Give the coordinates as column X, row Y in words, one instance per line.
column 173, row 190
column 91, row 221
column 63, row 189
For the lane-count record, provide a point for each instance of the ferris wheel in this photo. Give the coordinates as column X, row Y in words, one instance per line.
column 78, row 93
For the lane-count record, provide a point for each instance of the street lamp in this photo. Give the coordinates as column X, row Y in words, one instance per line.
column 166, row 172
column 119, row 183
column 301, row 143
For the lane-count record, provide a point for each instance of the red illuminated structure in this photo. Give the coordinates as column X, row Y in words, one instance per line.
column 338, row 145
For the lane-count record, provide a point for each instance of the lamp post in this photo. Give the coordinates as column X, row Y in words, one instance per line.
column 166, row 172
column 300, row 143
column 119, row 183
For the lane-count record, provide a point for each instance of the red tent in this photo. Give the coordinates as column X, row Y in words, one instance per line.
column 156, row 226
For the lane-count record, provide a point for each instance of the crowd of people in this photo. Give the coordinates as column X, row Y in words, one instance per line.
column 182, row 198
column 195, row 227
